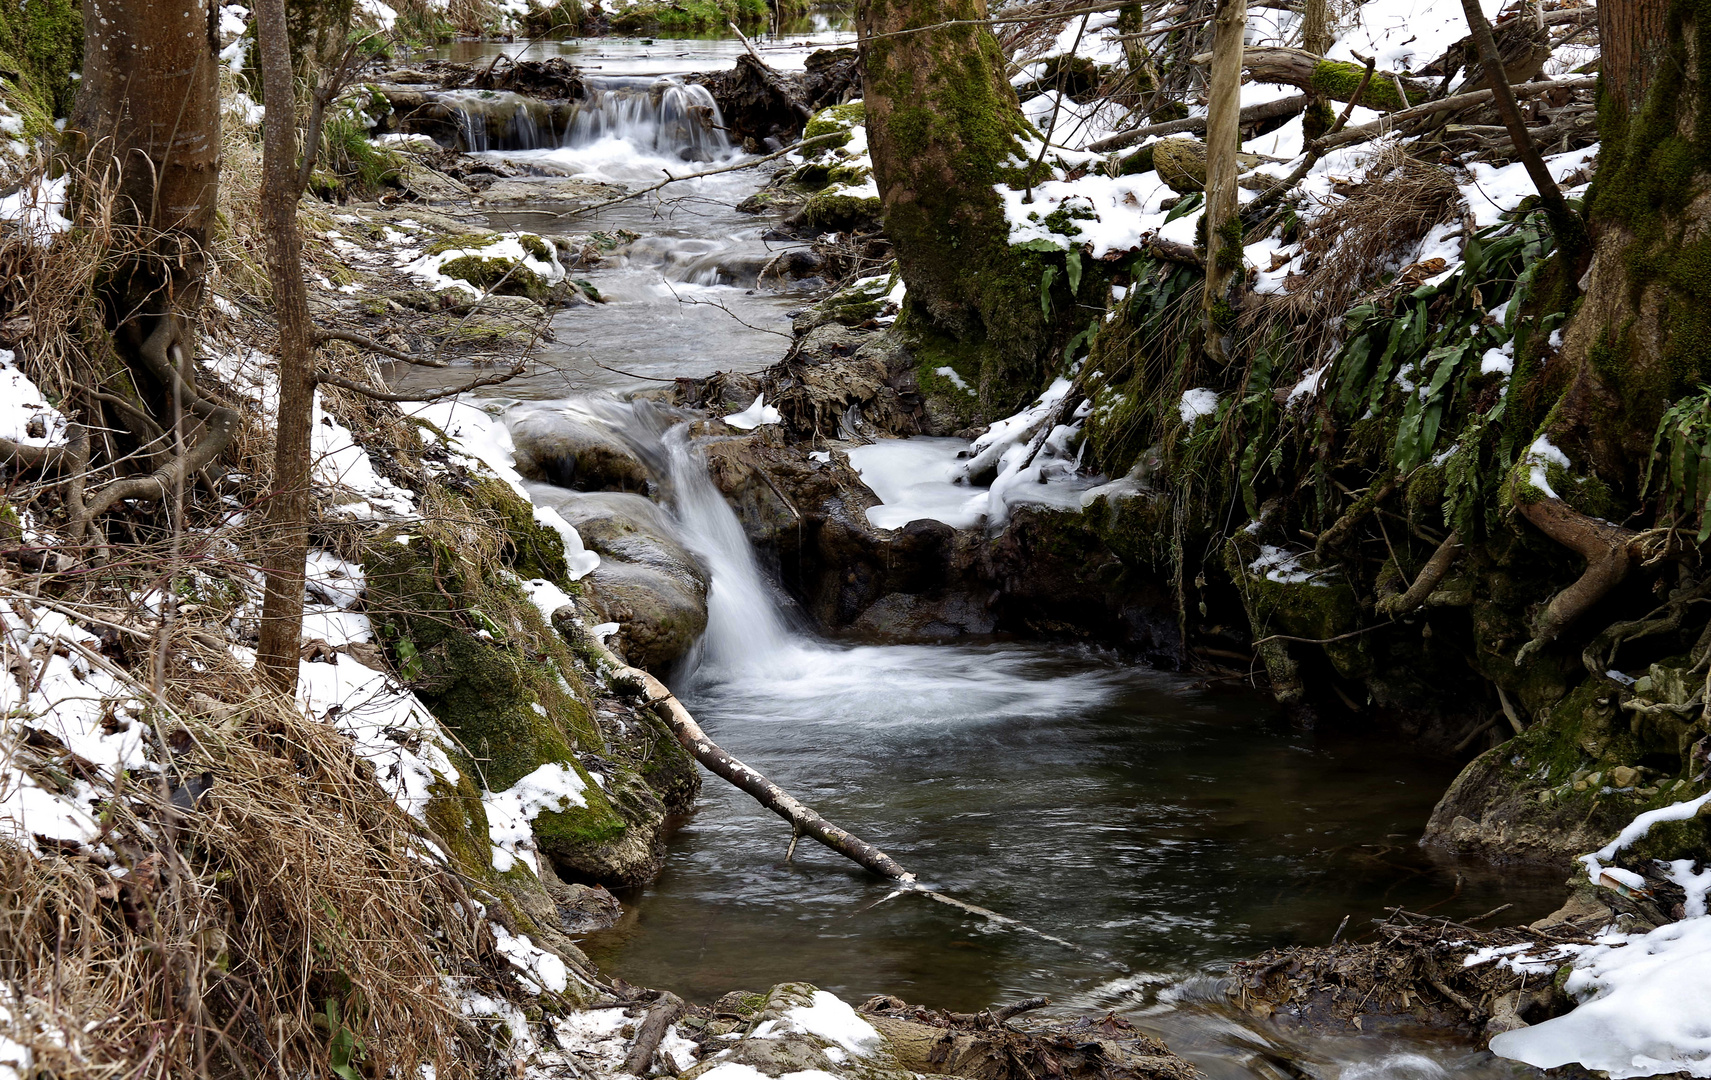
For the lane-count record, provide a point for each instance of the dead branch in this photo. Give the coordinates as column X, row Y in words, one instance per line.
column 660, row 1017
column 1270, row 110
column 368, row 344
column 1315, row 151
column 374, row 393
column 1569, row 229
column 1394, row 120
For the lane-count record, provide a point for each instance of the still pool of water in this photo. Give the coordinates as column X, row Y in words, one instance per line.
column 1169, row 827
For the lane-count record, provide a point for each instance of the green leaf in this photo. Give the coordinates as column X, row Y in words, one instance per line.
column 1072, row 262
column 1046, row 279
column 1038, row 244
column 1188, row 205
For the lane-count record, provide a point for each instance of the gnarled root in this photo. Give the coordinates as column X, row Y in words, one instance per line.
column 1607, row 549
column 1430, row 577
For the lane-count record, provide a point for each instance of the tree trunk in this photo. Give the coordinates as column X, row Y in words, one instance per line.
column 148, row 122
column 943, row 126
column 288, row 508
column 1223, row 140
column 1640, row 337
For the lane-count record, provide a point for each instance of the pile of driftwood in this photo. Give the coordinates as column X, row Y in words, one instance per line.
column 1413, row 970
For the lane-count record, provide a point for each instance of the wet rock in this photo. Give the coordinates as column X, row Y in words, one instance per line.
column 659, row 616
column 583, row 909
column 905, row 617
column 647, row 582
column 575, row 451
column 511, row 192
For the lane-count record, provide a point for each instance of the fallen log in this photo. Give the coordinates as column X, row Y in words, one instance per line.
column 659, row 1019
column 1450, row 104
column 1335, row 79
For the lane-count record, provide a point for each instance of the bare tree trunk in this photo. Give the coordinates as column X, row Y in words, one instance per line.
column 288, row 508
column 1223, row 140
column 147, row 122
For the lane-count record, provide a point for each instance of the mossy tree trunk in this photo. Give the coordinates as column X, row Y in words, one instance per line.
column 1642, row 336
column 944, row 128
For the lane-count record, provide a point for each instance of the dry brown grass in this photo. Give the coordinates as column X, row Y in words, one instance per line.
column 239, row 935
column 1353, row 244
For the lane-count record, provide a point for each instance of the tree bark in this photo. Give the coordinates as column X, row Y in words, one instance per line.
column 147, row 122
column 1638, row 340
column 943, row 126
column 1335, row 79
column 1223, row 140
column 288, row 508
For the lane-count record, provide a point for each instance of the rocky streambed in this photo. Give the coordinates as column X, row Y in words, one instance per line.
column 831, row 559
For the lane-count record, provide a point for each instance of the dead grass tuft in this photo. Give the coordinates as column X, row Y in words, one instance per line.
column 258, row 906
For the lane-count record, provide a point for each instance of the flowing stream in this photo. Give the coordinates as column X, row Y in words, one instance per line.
column 1171, row 825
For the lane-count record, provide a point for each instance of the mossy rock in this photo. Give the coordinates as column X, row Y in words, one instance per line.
column 505, row 277
column 42, row 42
column 834, row 126
column 1181, row 164
column 680, row 16
column 1549, row 794
column 1319, row 608
column 833, row 211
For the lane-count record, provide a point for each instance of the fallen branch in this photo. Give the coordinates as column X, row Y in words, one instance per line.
column 1450, row 104
column 1280, row 65
column 803, row 820
column 1269, row 110
column 660, row 1017
column 1315, row 151
column 368, row 344
column 374, row 393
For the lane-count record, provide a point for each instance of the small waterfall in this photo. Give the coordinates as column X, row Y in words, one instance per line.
column 503, row 121
column 745, row 628
column 664, row 116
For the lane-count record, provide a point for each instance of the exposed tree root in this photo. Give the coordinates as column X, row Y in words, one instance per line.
column 1607, row 549
column 1429, row 578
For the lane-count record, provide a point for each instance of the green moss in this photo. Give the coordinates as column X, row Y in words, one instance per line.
column 1318, row 119
column 832, row 211
column 563, row 18
column 1339, row 80
column 467, row 242
column 504, row 277
column 536, row 247
column 833, row 126
column 693, row 16
column 41, row 47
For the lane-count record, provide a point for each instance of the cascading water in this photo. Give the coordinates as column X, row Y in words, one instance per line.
column 666, row 116
column 1132, row 811
column 663, row 117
